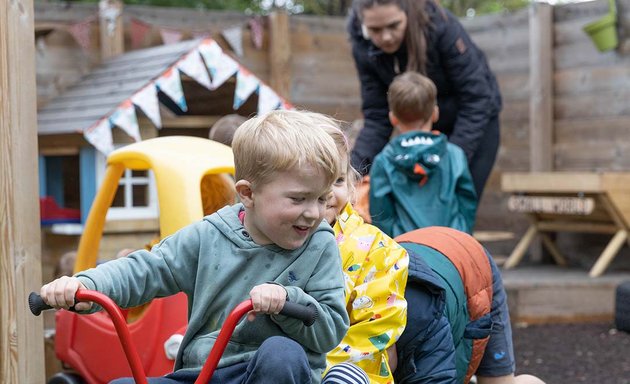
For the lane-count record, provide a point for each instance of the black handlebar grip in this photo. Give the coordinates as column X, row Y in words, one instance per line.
column 307, row 313
column 37, row 304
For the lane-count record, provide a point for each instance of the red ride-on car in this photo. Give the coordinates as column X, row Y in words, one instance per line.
column 193, row 180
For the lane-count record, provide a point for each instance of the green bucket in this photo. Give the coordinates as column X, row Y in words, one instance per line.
column 603, row 32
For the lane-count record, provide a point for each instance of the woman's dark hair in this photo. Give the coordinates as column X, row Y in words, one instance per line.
column 417, row 26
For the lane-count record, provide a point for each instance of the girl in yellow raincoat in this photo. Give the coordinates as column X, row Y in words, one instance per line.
column 375, row 271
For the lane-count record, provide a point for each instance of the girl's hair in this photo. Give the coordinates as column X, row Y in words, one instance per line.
column 283, row 140
column 341, row 141
column 418, row 23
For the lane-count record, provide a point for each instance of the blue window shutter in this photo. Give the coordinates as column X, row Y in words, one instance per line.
column 87, row 174
column 42, row 176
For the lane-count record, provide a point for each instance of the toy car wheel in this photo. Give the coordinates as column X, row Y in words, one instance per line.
column 65, row 378
column 622, row 307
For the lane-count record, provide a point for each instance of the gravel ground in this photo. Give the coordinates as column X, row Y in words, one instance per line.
column 573, row 353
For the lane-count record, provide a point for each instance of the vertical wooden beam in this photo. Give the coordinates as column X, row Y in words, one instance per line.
column 21, row 333
column 280, row 53
column 541, row 87
column 111, row 28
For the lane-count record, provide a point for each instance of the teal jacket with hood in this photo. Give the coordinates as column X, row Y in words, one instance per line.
column 421, row 180
column 216, row 263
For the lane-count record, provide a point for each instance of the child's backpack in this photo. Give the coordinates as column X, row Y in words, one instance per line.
column 462, row 265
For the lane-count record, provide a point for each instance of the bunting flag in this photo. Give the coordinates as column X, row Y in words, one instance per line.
column 268, row 100
column 82, row 32
column 246, row 84
column 234, row 37
column 170, row 36
column 193, row 66
column 170, row 83
column 139, row 30
column 220, row 65
column 256, row 28
column 125, row 118
column 100, row 136
column 147, row 100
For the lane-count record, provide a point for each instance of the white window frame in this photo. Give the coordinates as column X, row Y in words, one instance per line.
column 129, row 212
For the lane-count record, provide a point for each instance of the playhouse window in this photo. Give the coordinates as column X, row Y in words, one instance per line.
column 136, row 196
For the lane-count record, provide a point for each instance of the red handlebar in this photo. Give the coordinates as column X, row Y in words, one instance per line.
column 308, row 314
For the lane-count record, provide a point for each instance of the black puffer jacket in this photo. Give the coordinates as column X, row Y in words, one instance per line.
column 468, row 93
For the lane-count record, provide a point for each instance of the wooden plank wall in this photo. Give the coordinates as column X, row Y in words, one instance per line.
column 505, row 41
column 591, row 89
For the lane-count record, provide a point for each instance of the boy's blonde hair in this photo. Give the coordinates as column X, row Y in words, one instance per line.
column 283, row 140
column 412, row 97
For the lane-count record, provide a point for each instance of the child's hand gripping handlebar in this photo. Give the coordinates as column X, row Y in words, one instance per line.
column 308, row 314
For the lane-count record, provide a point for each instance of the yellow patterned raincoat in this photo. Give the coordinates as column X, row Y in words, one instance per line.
column 375, row 271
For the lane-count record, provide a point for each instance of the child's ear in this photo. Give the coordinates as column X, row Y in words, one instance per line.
column 393, row 119
column 436, row 114
column 245, row 193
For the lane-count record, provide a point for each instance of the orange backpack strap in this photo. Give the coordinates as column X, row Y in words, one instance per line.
column 470, row 259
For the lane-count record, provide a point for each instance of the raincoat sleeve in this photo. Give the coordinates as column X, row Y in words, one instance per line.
column 376, row 303
column 465, row 193
column 382, row 209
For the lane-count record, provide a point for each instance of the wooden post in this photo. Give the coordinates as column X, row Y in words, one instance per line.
column 541, row 97
column 111, row 28
column 280, row 53
column 541, row 84
column 21, row 333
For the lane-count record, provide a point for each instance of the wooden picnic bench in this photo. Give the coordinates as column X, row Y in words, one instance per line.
column 586, row 202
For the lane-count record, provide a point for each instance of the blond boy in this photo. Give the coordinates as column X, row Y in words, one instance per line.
column 271, row 247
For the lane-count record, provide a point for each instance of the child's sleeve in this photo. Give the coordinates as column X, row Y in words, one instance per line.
column 143, row 275
column 381, row 198
column 324, row 290
column 378, row 309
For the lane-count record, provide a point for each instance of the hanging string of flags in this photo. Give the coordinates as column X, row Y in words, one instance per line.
column 82, row 33
column 209, row 66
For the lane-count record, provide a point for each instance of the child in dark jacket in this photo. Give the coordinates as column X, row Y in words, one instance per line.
column 272, row 247
column 419, row 179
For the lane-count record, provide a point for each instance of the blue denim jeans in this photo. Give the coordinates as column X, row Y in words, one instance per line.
column 278, row 360
column 498, row 358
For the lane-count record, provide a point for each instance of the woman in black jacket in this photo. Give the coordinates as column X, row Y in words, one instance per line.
column 392, row 36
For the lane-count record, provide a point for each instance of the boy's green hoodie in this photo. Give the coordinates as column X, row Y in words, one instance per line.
column 216, row 263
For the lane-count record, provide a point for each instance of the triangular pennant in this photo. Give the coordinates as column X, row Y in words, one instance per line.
column 246, row 84
column 171, row 84
column 139, row 30
column 125, row 118
column 220, row 65
column 82, row 33
column 100, row 136
column 193, row 66
column 256, row 28
column 147, row 100
column 234, row 37
column 268, row 100
column 170, row 36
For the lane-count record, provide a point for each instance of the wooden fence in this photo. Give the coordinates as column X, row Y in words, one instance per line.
column 566, row 105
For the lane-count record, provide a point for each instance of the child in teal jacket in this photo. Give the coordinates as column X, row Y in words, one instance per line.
column 419, row 179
